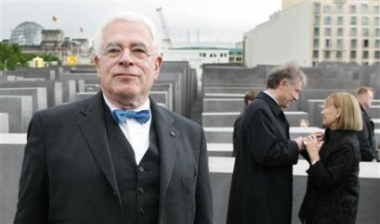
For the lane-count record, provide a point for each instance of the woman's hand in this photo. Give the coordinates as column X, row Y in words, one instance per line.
column 313, row 145
column 319, row 135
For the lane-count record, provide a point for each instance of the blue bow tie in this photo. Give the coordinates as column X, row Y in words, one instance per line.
column 121, row 116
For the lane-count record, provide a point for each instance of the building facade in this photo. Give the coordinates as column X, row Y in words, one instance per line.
column 311, row 32
column 197, row 56
column 289, row 3
column 33, row 38
column 27, row 34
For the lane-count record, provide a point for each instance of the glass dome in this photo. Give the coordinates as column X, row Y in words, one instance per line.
column 27, row 34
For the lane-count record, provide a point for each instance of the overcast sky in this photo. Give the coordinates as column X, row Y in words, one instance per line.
column 216, row 20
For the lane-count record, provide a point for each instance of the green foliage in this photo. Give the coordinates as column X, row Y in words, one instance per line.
column 12, row 57
column 50, row 58
column 9, row 56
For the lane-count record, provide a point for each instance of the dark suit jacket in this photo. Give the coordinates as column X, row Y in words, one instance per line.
column 332, row 193
column 367, row 138
column 261, row 188
column 235, row 134
column 68, row 174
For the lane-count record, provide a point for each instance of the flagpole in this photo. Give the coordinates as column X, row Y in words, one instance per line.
column 81, row 32
column 53, row 20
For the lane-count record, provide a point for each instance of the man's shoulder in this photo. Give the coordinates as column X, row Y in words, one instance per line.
column 258, row 104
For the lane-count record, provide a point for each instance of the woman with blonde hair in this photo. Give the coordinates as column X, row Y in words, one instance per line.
column 332, row 193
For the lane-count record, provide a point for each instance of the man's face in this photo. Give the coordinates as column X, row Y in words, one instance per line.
column 288, row 92
column 124, row 78
column 366, row 99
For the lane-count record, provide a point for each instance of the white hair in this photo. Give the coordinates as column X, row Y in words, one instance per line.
column 127, row 16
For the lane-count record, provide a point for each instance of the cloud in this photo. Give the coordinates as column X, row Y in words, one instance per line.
column 225, row 20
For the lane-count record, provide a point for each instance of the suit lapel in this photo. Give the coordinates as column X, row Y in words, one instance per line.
column 167, row 136
column 96, row 136
column 282, row 123
column 94, row 130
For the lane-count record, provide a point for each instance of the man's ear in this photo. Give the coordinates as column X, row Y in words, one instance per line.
column 157, row 66
column 283, row 83
column 97, row 63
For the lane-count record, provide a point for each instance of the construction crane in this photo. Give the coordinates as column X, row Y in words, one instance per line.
column 167, row 40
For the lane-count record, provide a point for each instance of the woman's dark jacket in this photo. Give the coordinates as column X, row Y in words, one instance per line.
column 332, row 193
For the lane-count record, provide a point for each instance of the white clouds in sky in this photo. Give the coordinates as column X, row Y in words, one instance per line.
column 215, row 20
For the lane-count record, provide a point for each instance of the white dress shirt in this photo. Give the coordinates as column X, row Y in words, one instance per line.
column 269, row 94
column 137, row 134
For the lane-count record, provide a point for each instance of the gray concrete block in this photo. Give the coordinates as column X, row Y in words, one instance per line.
column 219, row 119
column 218, row 134
column 39, row 95
column 224, row 134
column 161, row 97
column 81, row 85
column 167, row 87
column 11, row 78
column 227, row 119
column 179, row 90
column 11, row 156
column 331, row 83
column 4, row 122
column 319, row 94
column 91, row 87
column 219, row 149
column 369, row 75
column 53, row 89
column 188, row 84
column 223, row 96
column 19, row 110
column 314, row 109
column 223, row 105
column 303, row 131
column 69, row 90
column 35, row 73
column 294, row 117
column 58, row 93
column 233, row 89
column 227, row 76
column 83, row 95
column 374, row 111
column 71, row 84
column 376, row 121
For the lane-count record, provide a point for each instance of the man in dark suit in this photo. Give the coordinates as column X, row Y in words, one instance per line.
column 116, row 157
column 261, row 188
column 367, row 134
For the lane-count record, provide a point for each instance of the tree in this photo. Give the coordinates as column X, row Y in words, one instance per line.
column 11, row 57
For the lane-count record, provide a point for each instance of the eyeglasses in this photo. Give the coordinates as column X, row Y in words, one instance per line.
column 137, row 54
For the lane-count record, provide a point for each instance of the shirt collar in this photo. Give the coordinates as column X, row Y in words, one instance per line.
column 269, row 94
column 145, row 106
